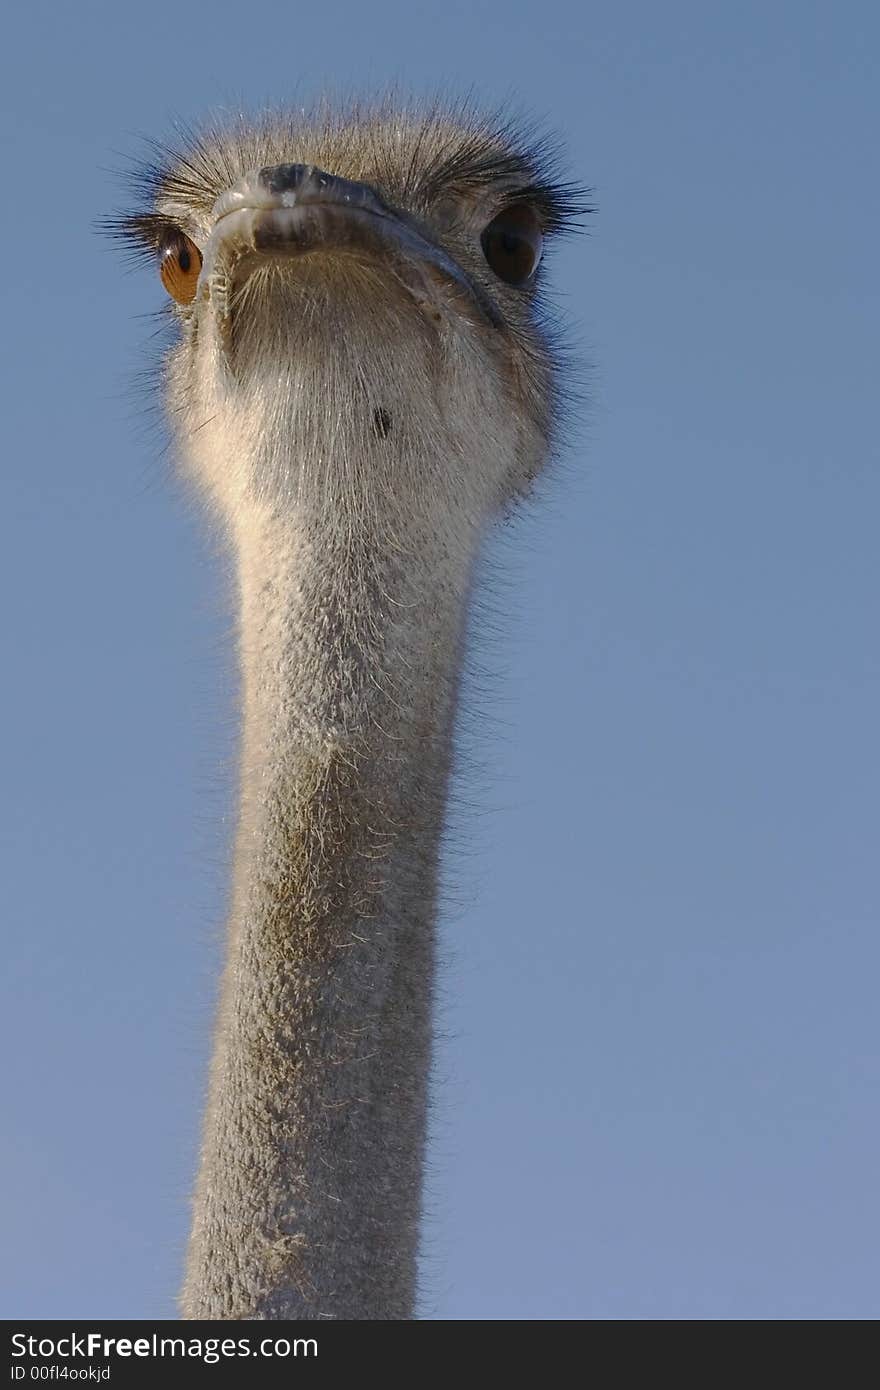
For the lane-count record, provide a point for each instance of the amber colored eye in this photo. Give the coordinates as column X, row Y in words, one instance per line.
column 512, row 244
column 179, row 266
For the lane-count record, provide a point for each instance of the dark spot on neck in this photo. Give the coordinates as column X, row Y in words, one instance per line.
column 381, row 423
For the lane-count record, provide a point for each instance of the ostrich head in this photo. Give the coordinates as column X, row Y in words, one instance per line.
column 366, row 289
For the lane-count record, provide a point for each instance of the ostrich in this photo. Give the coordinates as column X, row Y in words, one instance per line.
column 361, row 383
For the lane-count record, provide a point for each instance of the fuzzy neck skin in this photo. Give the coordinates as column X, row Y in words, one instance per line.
column 308, row 1196
column 354, row 450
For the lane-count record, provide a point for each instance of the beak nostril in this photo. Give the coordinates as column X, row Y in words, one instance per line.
column 285, row 178
column 308, row 183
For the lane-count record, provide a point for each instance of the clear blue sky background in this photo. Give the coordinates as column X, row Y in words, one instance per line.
column 658, row 1092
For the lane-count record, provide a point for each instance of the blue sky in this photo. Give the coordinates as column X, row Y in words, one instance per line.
column 658, row 1078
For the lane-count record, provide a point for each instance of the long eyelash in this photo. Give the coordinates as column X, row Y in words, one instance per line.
column 183, row 170
column 500, row 149
column 142, row 234
column 561, row 206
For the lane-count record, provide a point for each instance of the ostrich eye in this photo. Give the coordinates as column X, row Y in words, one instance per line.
column 179, row 265
column 512, row 244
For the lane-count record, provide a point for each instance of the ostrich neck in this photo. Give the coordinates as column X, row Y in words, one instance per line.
column 308, row 1197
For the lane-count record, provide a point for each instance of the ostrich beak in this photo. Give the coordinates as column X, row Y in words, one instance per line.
column 294, row 210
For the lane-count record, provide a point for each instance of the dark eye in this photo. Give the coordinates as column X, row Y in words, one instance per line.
column 512, row 244
column 180, row 262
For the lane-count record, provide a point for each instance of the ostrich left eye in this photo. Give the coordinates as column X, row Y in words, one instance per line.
column 512, row 244
column 180, row 262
